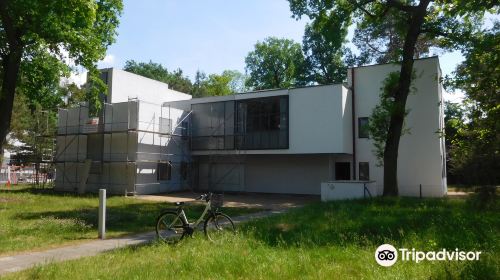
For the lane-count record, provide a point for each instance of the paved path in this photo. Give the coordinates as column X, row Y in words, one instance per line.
column 26, row 260
column 240, row 200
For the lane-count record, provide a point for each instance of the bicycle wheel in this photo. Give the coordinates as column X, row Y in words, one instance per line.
column 217, row 225
column 169, row 227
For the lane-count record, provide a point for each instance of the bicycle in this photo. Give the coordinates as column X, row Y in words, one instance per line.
column 172, row 225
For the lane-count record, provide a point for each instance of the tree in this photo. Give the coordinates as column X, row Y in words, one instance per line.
column 275, row 63
column 444, row 21
column 175, row 80
column 473, row 132
column 380, row 40
column 229, row 82
column 326, row 61
column 31, row 30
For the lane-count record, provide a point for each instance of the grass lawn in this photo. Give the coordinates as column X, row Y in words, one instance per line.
column 334, row 240
column 35, row 219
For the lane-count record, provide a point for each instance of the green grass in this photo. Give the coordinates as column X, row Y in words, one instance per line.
column 36, row 219
column 320, row 241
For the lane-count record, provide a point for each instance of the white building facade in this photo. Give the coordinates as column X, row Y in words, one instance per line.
column 276, row 141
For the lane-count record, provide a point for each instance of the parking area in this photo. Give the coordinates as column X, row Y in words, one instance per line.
column 251, row 200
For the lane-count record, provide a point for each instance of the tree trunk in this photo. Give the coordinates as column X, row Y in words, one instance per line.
column 11, row 64
column 400, row 95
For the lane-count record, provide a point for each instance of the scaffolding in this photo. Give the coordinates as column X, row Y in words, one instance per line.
column 112, row 150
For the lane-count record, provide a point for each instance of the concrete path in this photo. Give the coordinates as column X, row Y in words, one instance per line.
column 241, row 200
column 26, row 260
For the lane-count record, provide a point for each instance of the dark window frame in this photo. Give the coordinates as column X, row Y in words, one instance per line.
column 235, row 133
column 361, row 171
column 363, row 133
column 164, row 171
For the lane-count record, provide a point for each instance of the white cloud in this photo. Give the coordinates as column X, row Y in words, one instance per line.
column 455, row 97
column 78, row 78
column 108, row 60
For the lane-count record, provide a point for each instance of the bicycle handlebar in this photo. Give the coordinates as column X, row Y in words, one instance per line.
column 205, row 196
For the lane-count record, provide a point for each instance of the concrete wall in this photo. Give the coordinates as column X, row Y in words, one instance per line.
column 125, row 85
column 421, row 152
column 297, row 174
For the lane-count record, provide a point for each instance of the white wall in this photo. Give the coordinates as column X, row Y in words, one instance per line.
column 420, row 151
column 125, row 85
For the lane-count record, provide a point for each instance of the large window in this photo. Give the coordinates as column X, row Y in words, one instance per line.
column 364, row 171
column 363, row 129
column 262, row 123
column 213, row 126
column 249, row 124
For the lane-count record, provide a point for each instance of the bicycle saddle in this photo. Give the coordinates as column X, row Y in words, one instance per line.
column 179, row 203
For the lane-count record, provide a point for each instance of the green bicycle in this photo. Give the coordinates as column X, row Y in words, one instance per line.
column 173, row 225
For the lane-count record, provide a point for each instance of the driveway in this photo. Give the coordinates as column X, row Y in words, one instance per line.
column 251, row 200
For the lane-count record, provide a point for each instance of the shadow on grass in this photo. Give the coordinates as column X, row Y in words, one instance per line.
column 427, row 224
column 126, row 218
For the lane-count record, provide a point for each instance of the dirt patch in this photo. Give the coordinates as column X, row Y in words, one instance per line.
column 241, row 200
column 6, row 200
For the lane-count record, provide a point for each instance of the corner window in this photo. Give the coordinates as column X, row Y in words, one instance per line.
column 164, row 171
column 363, row 131
column 364, row 171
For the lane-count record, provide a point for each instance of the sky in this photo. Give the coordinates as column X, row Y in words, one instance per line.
column 210, row 36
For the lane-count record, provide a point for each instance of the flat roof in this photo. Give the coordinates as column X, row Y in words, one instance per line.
column 250, row 94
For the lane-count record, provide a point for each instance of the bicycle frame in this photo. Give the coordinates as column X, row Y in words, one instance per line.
column 184, row 219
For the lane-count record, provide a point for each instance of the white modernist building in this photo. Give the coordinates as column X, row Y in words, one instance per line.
column 275, row 141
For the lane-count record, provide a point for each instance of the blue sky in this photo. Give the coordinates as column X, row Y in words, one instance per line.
column 207, row 35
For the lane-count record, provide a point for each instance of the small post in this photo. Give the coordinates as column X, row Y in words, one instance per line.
column 102, row 214
column 420, row 190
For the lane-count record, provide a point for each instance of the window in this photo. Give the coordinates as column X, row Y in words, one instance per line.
column 342, row 171
column 184, row 170
column 363, row 131
column 165, row 125
column 164, row 171
column 248, row 124
column 262, row 123
column 364, row 171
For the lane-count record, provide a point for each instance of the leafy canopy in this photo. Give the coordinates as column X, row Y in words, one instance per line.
column 40, row 40
column 275, row 63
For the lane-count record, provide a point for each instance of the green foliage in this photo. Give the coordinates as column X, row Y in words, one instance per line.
column 275, row 63
column 325, row 62
column 37, row 38
column 381, row 115
column 175, row 80
column 229, row 82
column 73, row 93
column 381, row 39
column 474, row 144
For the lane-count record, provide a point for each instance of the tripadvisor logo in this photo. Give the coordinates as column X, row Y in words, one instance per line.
column 387, row 255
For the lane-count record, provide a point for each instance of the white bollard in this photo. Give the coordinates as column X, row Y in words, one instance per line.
column 102, row 214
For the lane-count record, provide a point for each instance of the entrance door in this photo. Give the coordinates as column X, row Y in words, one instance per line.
column 342, row 171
